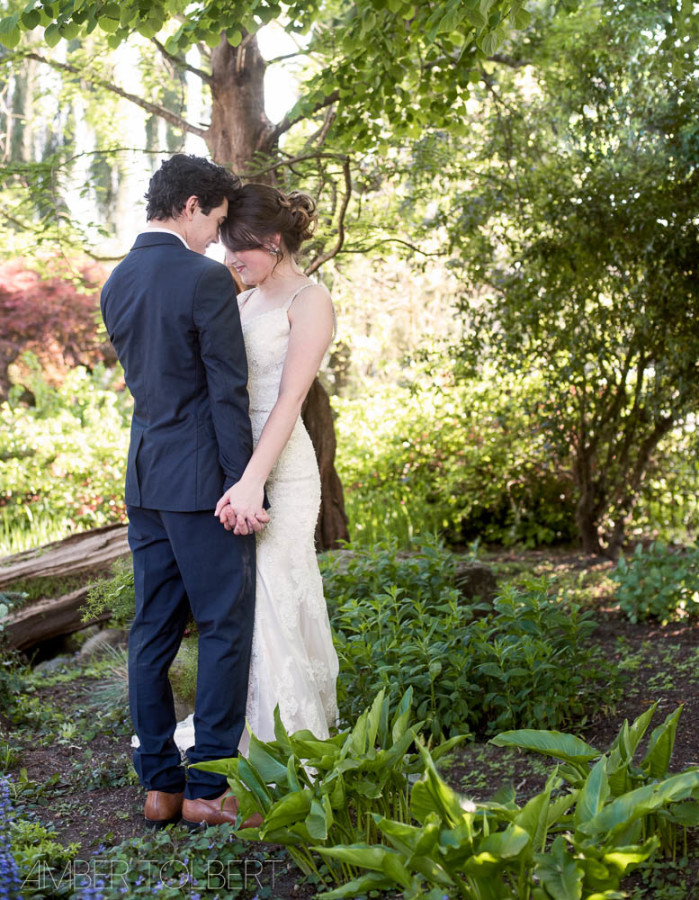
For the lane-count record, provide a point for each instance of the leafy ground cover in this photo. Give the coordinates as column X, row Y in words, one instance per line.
column 79, row 808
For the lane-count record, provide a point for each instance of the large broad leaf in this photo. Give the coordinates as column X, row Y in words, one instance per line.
column 269, row 767
column 372, row 881
column 593, row 795
column 559, row 873
column 290, row 809
column 227, row 767
column 639, row 728
column 401, row 719
column 657, row 759
column 362, row 855
column 618, row 814
column 254, row 783
column 439, row 751
column 374, row 719
column 317, row 821
column 506, row 844
column 432, row 795
column 551, row 743
column 280, row 732
column 533, row 817
column 622, row 859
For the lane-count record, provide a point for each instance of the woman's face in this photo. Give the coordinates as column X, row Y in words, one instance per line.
column 253, row 266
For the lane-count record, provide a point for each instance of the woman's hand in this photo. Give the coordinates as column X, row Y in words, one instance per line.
column 241, row 509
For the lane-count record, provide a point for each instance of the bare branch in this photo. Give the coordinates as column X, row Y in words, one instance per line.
column 182, row 63
column 287, row 122
column 292, row 161
column 394, row 241
column 276, row 59
column 324, row 257
column 318, row 137
column 152, row 108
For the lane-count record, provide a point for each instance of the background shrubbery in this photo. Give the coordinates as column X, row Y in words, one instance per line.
column 62, row 459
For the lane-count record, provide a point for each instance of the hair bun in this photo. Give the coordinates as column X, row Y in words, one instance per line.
column 303, row 212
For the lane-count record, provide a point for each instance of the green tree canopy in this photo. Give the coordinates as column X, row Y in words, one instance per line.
column 580, row 239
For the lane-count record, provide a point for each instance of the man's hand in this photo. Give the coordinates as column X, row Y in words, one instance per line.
column 240, row 509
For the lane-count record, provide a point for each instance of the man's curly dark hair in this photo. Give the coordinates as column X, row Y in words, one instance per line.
column 181, row 177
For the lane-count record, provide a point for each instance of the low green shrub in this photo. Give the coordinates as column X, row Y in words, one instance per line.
column 573, row 844
column 114, row 594
column 313, row 791
column 36, row 851
column 658, row 583
column 465, row 460
column 400, row 623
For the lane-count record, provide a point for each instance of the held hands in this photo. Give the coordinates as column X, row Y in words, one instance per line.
column 240, row 509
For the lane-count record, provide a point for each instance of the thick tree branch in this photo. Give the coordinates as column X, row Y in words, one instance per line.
column 182, row 63
column 152, row 108
column 324, row 257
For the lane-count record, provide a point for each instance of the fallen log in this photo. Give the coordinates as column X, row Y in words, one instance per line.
column 95, row 549
column 45, row 619
column 51, row 617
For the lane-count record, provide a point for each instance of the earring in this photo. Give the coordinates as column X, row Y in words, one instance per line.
column 273, row 251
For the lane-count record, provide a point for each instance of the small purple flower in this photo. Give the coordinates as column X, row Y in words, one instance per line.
column 9, row 871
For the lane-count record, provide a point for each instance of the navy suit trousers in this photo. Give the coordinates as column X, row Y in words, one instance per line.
column 183, row 561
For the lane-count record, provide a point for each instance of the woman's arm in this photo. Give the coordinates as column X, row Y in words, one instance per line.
column 312, row 322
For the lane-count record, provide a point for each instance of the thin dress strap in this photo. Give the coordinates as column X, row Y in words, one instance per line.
column 297, row 292
column 295, row 295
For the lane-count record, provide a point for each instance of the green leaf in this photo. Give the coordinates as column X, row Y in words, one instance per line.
column 489, row 43
column 290, row 809
column 363, row 855
column 624, row 810
column 662, row 741
column 9, row 32
column 533, row 817
column 271, row 770
column 316, row 821
column 550, row 743
column 559, row 873
column 593, row 794
column 372, row 881
column 31, row 19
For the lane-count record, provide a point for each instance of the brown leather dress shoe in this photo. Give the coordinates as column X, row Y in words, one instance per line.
column 162, row 809
column 216, row 811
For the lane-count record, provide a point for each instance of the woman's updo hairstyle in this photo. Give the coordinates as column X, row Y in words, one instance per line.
column 257, row 212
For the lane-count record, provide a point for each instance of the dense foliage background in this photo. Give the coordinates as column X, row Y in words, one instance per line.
column 514, row 266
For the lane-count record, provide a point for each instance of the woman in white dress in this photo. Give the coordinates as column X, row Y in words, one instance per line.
column 288, row 323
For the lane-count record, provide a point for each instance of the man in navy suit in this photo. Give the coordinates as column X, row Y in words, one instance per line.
column 172, row 317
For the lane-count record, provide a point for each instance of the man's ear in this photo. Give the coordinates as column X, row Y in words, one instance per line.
column 191, row 205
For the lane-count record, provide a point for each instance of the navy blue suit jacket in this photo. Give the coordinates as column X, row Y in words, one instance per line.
column 172, row 317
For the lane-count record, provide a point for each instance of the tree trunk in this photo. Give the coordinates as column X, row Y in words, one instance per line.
column 317, row 417
column 239, row 126
column 239, row 130
column 587, row 509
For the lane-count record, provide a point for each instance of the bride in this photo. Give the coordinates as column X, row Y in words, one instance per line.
column 288, row 323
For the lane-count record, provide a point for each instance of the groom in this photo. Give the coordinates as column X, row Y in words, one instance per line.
column 172, row 317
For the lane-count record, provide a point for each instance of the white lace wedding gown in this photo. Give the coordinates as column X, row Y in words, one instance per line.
column 294, row 663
